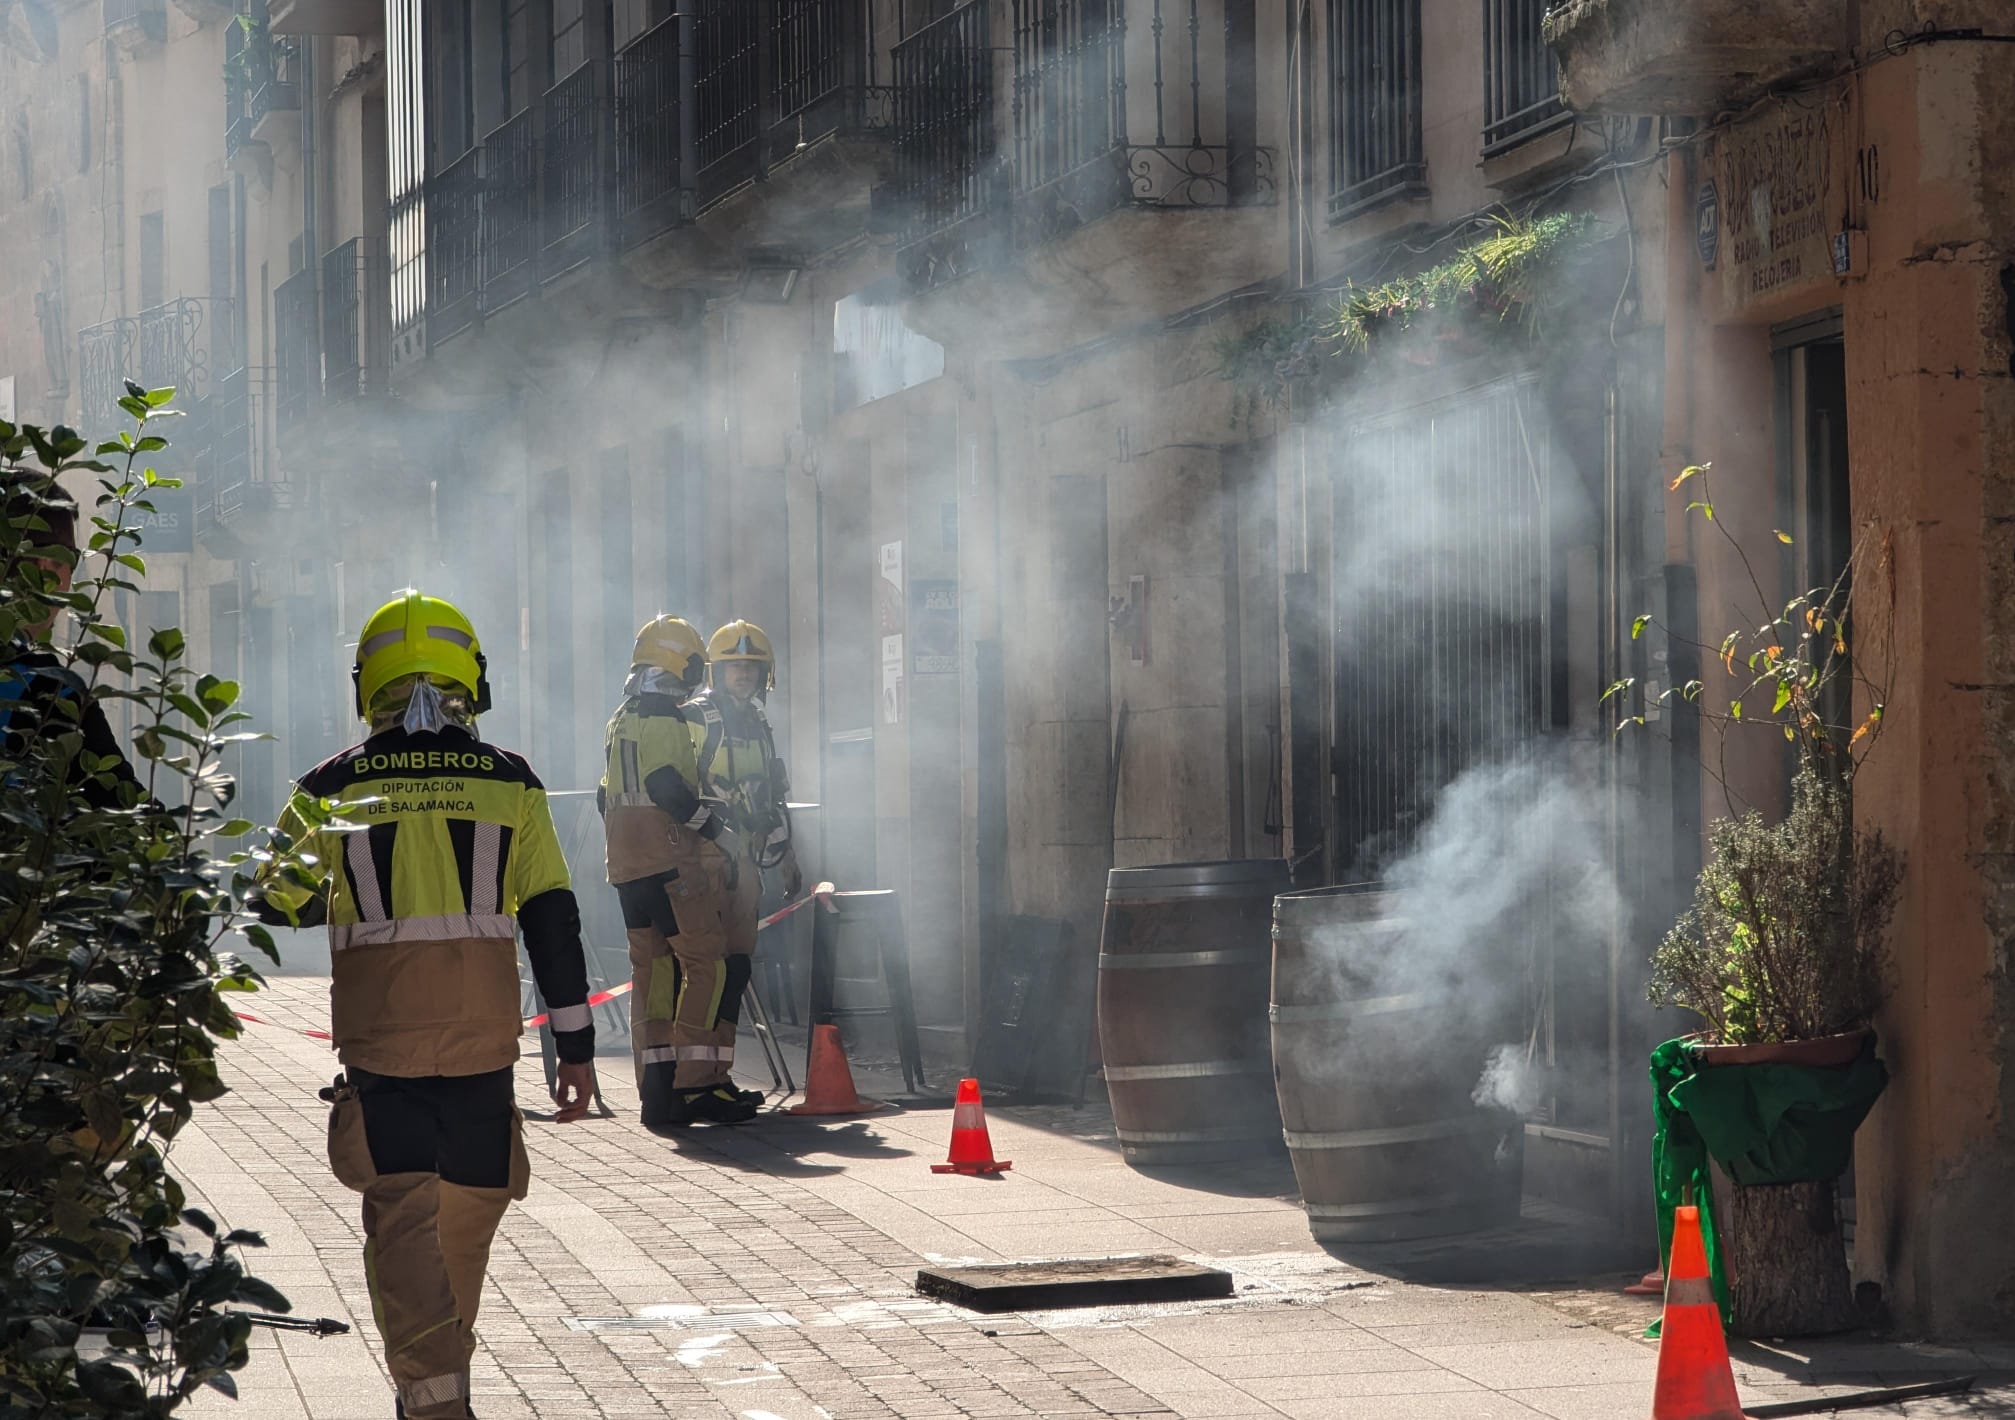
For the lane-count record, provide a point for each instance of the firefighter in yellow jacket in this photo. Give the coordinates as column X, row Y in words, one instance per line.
column 675, row 865
column 441, row 849
column 738, row 764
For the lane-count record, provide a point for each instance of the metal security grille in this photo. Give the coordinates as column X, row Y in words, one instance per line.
column 1374, row 69
column 647, row 127
column 510, row 197
column 726, row 88
column 406, row 139
column 1521, row 86
column 454, row 235
column 807, row 52
column 1442, row 589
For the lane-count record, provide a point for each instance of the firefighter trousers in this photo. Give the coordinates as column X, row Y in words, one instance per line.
column 650, row 927
column 438, row 1159
column 712, row 975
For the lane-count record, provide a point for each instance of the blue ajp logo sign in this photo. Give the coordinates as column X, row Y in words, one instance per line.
column 1707, row 222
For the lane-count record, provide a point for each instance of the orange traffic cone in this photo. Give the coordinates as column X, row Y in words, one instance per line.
column 1695, row 1381
column 829, row 1084
column 972, row 1151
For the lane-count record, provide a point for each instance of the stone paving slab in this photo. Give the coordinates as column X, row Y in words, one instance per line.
column 766, row 1273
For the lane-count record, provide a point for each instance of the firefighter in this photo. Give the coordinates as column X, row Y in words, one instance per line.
column 441, row 840
column 675, row 865
column 738, row 763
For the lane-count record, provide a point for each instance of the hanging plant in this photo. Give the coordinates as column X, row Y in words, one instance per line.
column 1501, row 288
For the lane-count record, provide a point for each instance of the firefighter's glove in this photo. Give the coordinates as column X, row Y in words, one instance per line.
column 794, row 878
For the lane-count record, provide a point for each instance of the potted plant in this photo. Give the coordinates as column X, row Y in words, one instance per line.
column 1784, row 958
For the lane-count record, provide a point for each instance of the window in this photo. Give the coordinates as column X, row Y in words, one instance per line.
column 1374, row 118
column 83, row 123
column 520, row 87
column 1521, row 86
column 570, row 37
column 24, row 155
column 153, row 261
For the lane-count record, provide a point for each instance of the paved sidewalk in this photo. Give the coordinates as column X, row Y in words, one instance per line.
column 766, row 1273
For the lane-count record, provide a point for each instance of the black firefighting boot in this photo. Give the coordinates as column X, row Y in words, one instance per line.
column 720, row 1104
column 663, row 1106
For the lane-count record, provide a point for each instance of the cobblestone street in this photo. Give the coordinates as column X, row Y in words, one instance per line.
column 767, row 1273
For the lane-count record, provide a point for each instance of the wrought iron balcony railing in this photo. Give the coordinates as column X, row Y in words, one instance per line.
column 354, row 341
column 298, row 355
column 947, row 176
column 576, row 158
column 510, row 210
column 136, row 22
column 181, row 344
column 454, row 250
column 649, row 199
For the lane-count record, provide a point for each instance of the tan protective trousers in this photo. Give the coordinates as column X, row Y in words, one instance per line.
column 426, row 1239
column 704, row 898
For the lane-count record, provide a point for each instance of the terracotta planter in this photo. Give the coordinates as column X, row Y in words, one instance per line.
column 1825, row 1053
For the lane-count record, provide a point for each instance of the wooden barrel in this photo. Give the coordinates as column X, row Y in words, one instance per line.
column 1182, row 973
column 1376, row 1062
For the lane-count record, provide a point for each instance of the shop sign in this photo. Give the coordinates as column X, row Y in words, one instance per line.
column 1776, row 190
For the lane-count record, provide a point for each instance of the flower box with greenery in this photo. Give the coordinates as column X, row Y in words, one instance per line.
column 1497, row 292
column 1783, row 955
column 116, row 1298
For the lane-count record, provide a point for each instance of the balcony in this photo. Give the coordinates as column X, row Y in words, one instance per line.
column 1656, row 57
column 136, row 25
column 454, row 247
column 181, row 344
column 262, row 92
column 1083, row 142
column 355, row 340
column 649, row 196
column 948, row 180
column 577, row 155
column 296, row 337
column 239, row 505
column 361, row 18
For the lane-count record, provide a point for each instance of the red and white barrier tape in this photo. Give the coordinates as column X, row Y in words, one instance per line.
column 600, row 998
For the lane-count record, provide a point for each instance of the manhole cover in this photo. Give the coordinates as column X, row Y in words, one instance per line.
column 1073, row 1282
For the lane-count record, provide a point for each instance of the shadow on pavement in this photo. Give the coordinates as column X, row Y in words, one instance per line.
column 1546, row 1244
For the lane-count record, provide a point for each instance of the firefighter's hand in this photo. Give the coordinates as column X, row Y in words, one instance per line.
column 574, row 1089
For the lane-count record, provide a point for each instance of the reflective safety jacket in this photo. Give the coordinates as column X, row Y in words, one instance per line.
column 738, row 762
column 650, row 792
column 454, row 840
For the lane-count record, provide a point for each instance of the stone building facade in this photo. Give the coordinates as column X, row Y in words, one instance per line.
column 901, row 328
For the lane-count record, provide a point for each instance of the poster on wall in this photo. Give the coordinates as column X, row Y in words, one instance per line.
column 934, row 626
column 889, row 621
column 892, row 692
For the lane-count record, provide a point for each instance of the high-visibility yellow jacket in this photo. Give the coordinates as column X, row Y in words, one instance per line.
column 453, row 840
column 737, row 753
column 651, row 793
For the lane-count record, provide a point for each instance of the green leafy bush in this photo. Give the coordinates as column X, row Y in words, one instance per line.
column 115, row 1296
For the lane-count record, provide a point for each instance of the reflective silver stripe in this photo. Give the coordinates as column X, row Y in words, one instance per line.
column 699, row 819
column 705, row 1052
column 454, row 927
column 1689, row 1292
column 451, row 633
column 659, row 1055
column 435, row 1390
column 632, row 801
column 1345, row 1010
column 371, row 905
column 379, row 642
column 483, row 877
column 1188, row 1069
column 570, row 1017
column 1147, row 961
column 626, row 753
column 1220, row 1134
column 1396, row 1134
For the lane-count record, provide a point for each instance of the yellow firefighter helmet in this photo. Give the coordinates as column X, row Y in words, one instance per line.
column 672, row 644
column 744, row 641
column 415, row 634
